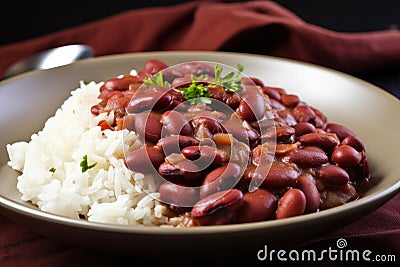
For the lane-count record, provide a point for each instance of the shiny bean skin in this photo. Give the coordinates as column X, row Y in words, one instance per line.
column 332, row 175
column 354, row 142
column 303, row 113
column 243, row 132
column 308, row 157
column 175, row 143
column 121, row 84
column 324, row 141
column 218, row 208
column 175, row 123
column 272, row 92
column 280, row 175
column 280, row 133
column 178, row 195
column 145, row 125
column 259, row 205
column 206, row 155
column 306, row 184
column 292, row 203
column 341, row 131
column 252, row 106
column 145, row 160
column 287, row 116
column 185, row 172
column 151, row 67
column 346, row 156
column 289, row 100
column 208, row 123
column 302, row 128
column 156, row 101
column 221, row 178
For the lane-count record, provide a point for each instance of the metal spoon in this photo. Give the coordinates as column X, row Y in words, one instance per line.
column 50, row 58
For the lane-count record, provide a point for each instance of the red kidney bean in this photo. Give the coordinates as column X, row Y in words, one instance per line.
column 252, row 81
column 338, row 197
column 354, row 142
column 252, row 106
column 241, row 131
column 280, row 133
column 145, row 125
column 175, row 123
column 178, row 195
column 146, row 160
column 195, row 68
column 272, row 92
column 306, row 184
column 280, row 175
column 206, row 123
column 231, row 99
column 289, row 100
column 175, row 143
column 308, row 157
column 292, row 203
column 332, row 175
column 185, row 172
column 206, row 155
column 157, row 101
column 222, row 178
column 364, row 164
column 151, row 67
column 121, row 84
column 106, row 93
column 346, row 156
column 320, row 119
column 181, row 82
column 287, row 116
column 303, row 113
column 218, row 208
column 324, row 141
column 259, row 205
column 302, row 128
column 341, row 131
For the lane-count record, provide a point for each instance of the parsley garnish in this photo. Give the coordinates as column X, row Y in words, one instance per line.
column 84, row 164
column 231, row 82
column 53, row 170
column 197, row 93
column 156, row 80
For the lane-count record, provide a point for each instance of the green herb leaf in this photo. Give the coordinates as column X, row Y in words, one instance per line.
column 84, row 164
column 53, row 170
column 197, row 93
column 231, row 82
column 156, row 80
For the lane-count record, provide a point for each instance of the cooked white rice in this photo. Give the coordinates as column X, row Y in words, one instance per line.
column 52, row 178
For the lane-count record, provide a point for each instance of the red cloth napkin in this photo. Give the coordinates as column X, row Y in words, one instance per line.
column 261, row 27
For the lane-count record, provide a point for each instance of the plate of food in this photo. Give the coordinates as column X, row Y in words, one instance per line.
column 209, row 151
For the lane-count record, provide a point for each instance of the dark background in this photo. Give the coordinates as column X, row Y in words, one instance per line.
column 22, row 20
